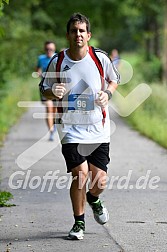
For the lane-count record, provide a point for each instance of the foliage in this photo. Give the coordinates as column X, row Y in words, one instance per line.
column 150, row 70
column 1, row 15
column 6, row 1
column 128, row 25
column 4, row 197
column 125, row 24
column 1, row 3
column 16, row 90
column 150, row 118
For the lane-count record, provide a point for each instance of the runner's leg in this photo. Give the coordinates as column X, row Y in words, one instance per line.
column 50, row 116
column 78, row 188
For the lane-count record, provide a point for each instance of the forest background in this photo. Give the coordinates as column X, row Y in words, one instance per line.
column 137, row 28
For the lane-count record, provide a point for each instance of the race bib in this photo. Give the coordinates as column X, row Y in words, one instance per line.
column 81, row 102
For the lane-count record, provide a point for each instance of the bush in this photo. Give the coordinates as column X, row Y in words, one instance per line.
column 150, row 70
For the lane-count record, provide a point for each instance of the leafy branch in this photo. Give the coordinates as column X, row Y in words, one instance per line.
column 6, row 1
column 1, row 15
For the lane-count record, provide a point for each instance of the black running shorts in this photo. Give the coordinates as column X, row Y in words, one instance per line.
column 96, row 154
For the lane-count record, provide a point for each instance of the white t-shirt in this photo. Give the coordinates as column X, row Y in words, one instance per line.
column 82, row 117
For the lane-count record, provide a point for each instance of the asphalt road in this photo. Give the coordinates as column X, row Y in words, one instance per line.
column 33, row 169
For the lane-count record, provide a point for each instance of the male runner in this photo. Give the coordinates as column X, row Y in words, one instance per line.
column 87, row 81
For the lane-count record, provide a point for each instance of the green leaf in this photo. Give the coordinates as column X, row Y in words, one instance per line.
column 6, row 1
column 1, row 3
column 4, row 197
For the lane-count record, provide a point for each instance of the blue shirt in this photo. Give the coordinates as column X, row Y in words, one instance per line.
column 43, row 61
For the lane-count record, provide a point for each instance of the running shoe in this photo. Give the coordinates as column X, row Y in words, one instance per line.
column 55, row 129
column 51, row 137
column 77, row 231
column 100, row 212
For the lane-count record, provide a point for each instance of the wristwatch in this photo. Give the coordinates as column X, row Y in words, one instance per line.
column 109, row 94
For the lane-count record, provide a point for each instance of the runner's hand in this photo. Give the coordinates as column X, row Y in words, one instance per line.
column 102, row 100
column 59, row 90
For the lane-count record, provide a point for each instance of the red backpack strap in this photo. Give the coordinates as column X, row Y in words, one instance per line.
column 98, row 64
column 100, row 68
column 58, row 64
column 58, row 70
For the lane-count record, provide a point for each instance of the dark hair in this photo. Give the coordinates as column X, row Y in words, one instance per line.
column 49, row 42
column 78, row 17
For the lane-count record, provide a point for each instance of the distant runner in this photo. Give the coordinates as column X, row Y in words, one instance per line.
column 43, row 61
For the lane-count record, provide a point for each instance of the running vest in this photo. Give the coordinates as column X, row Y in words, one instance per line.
column 99, row 66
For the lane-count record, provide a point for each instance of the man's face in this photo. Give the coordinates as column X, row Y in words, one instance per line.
column 78, row 35
column 50, row 50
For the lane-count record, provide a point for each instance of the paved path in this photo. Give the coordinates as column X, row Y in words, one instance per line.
column 40, row 221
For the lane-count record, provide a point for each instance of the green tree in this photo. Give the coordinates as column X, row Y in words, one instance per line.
column 124, row 24
column 1, row 14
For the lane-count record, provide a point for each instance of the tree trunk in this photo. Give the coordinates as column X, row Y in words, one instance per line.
column 156, row 38
column 148, row 42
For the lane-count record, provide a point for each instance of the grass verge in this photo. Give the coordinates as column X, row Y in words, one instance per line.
column 16, row 90
column 150, row 118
